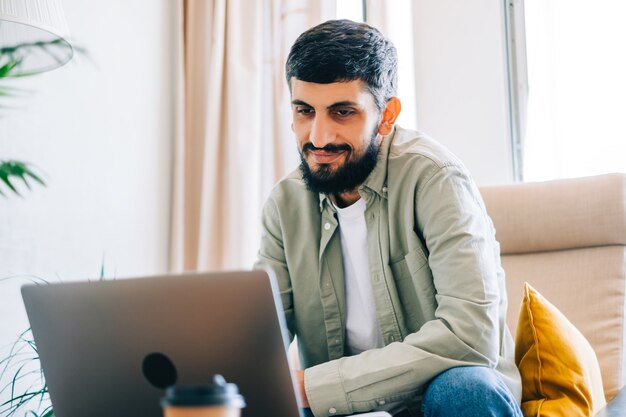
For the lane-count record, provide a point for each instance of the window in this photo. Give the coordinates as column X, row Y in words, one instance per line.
column 576, row 88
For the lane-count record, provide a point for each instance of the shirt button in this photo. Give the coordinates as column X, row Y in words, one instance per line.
column 327, row 226
column 384, row 189
column 332, row 410
column 381, row 402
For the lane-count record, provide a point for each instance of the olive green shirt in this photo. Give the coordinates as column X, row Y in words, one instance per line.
column 435, row 271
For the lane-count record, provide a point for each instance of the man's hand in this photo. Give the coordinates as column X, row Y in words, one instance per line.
column 299, row 376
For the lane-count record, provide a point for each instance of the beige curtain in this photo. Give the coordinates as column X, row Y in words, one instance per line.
column 233, row 139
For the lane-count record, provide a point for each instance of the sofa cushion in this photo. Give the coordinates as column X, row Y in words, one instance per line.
column 559, row 369
column 588, row 287
column 558, row 215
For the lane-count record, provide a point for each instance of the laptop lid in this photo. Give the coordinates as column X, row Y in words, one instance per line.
column 96, row 339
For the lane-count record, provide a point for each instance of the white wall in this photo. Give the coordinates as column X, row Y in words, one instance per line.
column 101, row 133
column 461, row 83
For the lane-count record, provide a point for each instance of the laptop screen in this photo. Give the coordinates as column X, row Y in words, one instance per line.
column 95, row 338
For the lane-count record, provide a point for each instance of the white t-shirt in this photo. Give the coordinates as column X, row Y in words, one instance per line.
column 362, row 329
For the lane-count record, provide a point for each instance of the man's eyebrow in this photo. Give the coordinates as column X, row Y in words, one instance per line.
column 300, row 103
column 343, row 104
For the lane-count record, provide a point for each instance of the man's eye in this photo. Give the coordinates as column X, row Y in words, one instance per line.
column 344, row 112
column 304, row 111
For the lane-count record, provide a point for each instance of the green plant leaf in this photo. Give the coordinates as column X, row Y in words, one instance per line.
column 34, row 176
column 5, row 70
column 24, row 358
column 19, row 398
column 17, row 170
column 12, row 56
column 4, row 177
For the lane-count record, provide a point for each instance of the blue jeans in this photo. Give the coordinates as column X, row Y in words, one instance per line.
column 468, row 391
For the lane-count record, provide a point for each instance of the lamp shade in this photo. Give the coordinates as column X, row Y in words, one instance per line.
column 33, row 36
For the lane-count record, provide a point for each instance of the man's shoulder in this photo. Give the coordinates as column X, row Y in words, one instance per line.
column 291, row 181
column 416, row 147
column 290, row 189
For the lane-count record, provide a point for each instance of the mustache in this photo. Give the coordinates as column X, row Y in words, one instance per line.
column 328, row 148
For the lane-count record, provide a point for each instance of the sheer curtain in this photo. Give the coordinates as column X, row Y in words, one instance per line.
column 233, row 139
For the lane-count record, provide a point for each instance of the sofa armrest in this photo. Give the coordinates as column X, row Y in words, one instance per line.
column 616, row 407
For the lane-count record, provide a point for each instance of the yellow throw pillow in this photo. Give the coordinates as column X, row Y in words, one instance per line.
column 560, row 371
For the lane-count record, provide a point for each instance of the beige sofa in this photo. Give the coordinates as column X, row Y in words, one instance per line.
column 567, row 238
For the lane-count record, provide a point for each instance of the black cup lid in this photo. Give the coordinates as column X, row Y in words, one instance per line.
column 218, row 393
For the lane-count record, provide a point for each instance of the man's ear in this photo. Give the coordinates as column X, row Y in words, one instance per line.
column 390, row 114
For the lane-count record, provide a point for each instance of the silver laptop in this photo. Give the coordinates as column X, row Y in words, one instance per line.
column 109, row 348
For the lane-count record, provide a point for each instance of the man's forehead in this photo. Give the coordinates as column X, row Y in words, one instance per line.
column 323, row 95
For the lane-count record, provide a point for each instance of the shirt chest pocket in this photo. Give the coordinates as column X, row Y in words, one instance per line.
column 416, row 291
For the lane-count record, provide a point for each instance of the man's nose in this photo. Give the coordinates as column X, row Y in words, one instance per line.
column 321, row 133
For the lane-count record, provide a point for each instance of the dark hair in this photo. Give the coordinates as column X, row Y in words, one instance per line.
column 343, row 50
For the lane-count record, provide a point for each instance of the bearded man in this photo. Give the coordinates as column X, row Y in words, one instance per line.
column 387, row 263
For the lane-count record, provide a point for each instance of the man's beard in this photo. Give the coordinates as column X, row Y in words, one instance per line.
column 346, row 177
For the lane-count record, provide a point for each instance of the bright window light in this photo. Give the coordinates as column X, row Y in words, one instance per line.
column 577, row 88
column 400, row 32
column 350, row 9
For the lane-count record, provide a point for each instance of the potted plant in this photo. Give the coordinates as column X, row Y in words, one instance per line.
column 21, row 377
column 20, row 366
column 10, row 59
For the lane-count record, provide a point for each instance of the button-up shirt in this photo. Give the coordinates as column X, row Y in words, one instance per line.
column 435, row 272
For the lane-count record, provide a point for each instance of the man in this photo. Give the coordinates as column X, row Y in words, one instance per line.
column 386, row 259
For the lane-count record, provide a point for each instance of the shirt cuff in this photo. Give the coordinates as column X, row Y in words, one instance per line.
column 325, row 391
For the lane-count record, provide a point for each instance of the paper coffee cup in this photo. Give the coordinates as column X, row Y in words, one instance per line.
column 219, row 399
